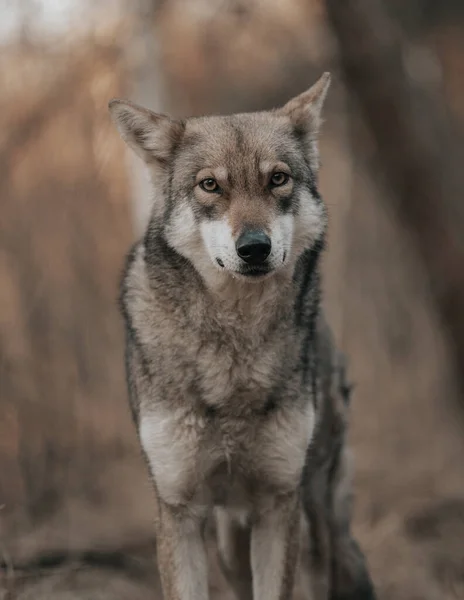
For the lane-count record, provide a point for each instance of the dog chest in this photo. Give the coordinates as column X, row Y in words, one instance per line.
column 215, row 459
column 238, row 374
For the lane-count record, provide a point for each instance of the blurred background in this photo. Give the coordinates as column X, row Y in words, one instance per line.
column 75, row 503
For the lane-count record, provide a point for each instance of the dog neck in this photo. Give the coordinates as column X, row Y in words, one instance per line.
column 256, row 304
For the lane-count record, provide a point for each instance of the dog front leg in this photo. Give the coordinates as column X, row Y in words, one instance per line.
column 234, row 553
column 181, row 554
column 274, row 550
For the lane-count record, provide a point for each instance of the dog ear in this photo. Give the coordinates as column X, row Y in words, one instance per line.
column 305, row 110
column 151, row 136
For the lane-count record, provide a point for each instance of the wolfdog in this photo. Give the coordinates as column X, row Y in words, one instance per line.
column 225, row 359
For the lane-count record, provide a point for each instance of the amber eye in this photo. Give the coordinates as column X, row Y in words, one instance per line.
column 279, row 179
column 209, row 185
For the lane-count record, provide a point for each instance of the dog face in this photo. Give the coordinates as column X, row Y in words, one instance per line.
column 235, row 194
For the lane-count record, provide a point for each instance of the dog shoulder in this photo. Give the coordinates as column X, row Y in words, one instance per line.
column 134, row 281
column 142, row 304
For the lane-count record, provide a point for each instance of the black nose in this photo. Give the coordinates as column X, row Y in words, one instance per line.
column 253, row 246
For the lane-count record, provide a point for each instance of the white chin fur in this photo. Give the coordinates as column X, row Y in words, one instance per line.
column 213, row 240
column 218, row 239
column 220, row 244
column 309, row 224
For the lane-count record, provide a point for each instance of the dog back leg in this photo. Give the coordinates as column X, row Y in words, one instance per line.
column 336, row 564
column 234, row 540
column 318, row 539
column 350, row 578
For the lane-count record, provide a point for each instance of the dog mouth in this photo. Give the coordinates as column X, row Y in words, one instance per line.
column 255, row 272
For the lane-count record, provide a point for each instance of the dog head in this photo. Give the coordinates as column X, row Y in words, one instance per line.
column 234, row 193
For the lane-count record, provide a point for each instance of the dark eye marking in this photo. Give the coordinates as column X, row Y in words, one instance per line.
column 210, row 185
column 285, row 203
column 278, row 179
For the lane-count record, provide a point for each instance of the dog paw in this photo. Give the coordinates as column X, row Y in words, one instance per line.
column 351, row 579
column 361, row 589
column 364, row 591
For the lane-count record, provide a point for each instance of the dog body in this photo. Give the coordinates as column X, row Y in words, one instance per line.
column 229, row 428
column 221, row 304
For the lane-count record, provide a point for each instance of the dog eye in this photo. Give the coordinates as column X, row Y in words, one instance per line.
column 279, row 179
column 209, row 185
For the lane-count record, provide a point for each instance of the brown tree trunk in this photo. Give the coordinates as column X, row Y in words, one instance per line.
column 414, row 149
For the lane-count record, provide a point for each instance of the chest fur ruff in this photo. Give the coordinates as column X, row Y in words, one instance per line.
column 187, row 451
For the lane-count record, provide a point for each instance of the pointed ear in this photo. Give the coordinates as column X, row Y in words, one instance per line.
column 150, row 135
column 305, row 110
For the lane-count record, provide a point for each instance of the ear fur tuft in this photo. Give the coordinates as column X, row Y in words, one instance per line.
column 306, row 108
column 150, row 135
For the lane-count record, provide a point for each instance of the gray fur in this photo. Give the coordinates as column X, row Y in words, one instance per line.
column 229, row 368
